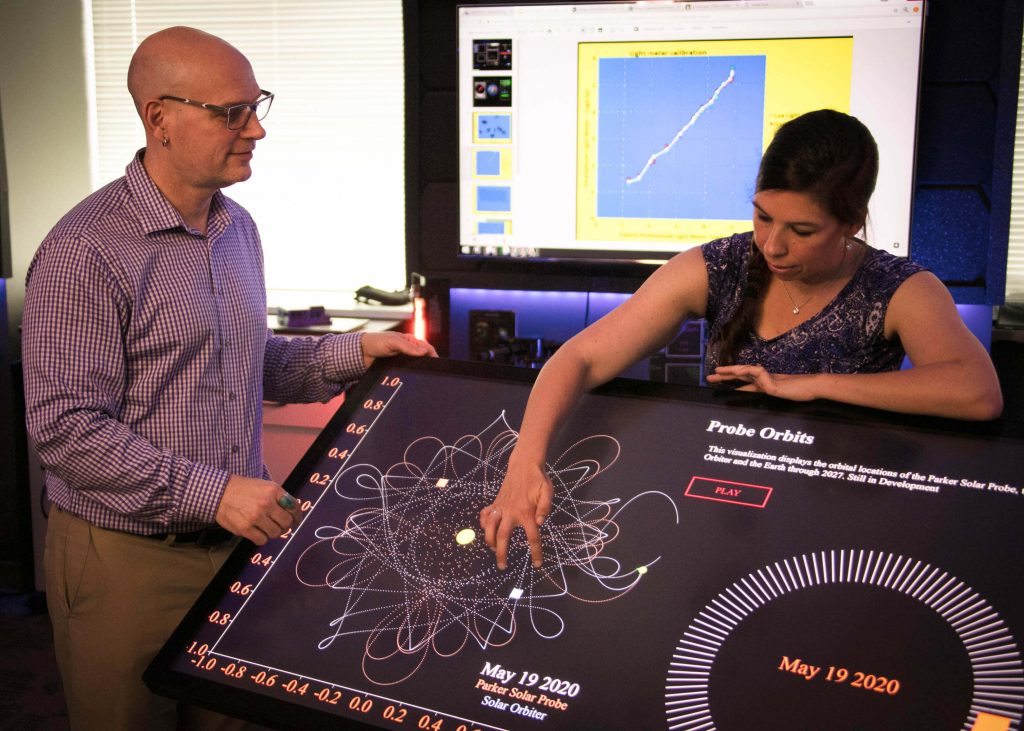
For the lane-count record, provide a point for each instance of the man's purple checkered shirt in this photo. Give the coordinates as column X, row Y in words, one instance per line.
column 147, row 358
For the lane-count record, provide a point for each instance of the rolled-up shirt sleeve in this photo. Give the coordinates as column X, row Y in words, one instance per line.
column 305, row 369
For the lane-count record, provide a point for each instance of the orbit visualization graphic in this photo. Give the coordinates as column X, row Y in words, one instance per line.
column 414, row 576
column 839, row 604
column 992, row 652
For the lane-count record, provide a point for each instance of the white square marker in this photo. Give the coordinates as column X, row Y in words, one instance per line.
column 515, row 593
column 443, row 482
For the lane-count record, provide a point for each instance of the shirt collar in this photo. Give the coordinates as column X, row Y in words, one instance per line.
column 156, row 212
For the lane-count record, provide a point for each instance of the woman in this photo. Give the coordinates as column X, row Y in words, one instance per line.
column 799, row 309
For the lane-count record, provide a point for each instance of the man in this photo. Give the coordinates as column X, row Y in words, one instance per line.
column 147, row 358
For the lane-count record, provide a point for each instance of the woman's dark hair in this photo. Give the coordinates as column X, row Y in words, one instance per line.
column 826, row 154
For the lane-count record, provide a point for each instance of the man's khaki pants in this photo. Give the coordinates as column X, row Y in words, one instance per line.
column 114, row 599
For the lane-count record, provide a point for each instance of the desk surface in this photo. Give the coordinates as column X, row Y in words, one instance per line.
column 337, row 304
column 338, row 325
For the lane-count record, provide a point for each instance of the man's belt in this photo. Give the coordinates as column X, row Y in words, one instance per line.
column 205, row 538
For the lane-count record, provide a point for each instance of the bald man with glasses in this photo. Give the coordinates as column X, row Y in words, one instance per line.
column 147, row 359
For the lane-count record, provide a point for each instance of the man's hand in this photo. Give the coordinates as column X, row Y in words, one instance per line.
column 386, row 344
column 252, row 508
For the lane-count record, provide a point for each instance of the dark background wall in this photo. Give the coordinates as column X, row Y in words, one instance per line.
column 968, row 103
column 5, row 221
column 968, row 112
column 15, row 532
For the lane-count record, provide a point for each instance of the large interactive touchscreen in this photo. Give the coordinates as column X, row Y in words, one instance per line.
column 711, row 562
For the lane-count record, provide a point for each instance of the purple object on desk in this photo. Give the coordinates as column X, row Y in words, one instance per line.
column 303, row 318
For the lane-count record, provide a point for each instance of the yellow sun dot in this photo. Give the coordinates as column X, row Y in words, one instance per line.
column 642, row 570
column 465, row 536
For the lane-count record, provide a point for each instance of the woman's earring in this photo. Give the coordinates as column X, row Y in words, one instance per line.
column 166, row 142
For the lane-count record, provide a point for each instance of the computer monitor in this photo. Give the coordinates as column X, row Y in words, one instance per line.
column 629, row 131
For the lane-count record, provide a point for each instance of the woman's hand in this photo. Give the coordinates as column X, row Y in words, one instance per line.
column 524, row 499
column 755, row 378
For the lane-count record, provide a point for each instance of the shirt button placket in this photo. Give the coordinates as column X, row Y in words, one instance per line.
column 227, row 366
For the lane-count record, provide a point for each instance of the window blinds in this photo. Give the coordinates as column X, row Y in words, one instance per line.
column 327, row 189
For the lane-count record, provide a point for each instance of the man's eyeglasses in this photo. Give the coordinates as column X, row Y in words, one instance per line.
column 237, row 115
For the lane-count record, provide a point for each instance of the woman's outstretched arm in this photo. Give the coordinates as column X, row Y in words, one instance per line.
column 646, row 321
